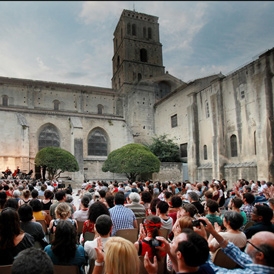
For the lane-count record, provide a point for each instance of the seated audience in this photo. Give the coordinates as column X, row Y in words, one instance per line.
column 81, row 215
column 32, row 261
column 28, row 225
column 134, row 204
column 64, row 249
column 261, row 215
column 119, row 256
column 122, row 217
column 12, row 238
column 212, row 208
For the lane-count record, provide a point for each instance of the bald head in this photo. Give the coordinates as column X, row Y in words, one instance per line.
column 261, row 248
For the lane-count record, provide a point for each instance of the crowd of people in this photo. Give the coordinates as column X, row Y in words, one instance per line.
column 199, row 218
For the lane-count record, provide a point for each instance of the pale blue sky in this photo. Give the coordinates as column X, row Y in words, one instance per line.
column 72, row 41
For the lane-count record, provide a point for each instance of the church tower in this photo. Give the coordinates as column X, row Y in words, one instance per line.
column 137, row 50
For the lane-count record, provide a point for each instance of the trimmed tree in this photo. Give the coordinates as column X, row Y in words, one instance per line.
column 56, row 161
column 165, row 149
column 133, row 160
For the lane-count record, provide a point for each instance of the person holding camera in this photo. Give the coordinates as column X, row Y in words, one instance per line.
column 147, row 241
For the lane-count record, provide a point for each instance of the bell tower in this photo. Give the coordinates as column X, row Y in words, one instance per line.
column 137, row 50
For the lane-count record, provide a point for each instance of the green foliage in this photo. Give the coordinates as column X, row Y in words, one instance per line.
column 165, row 149
column 56, row 160
column 133, row 160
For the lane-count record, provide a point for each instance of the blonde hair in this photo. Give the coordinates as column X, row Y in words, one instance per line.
column 63, row 210
column 121, row 256
column 185, row 222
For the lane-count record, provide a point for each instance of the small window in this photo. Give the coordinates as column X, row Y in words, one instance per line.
column 205, row 152
column 139, row 77
column 100, row 109
column 118, row 61
column 233, row 146
column 149, row 33
column 5, row 100
column 144, row 32
column 255, row 143
column 174, row 121
column 97, row 143
column 183, row 150
column 242, row 94
column 134, row 29
column 128, row 28
column 143, row 55
column 207, row 109
column 56, row 105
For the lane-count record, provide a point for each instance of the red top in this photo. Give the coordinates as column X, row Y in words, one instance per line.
column 88, row 226
column 145, row 247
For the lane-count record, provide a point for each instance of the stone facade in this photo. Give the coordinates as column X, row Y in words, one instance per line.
column 222, row 124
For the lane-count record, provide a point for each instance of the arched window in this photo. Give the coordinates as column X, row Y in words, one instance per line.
column 100, row 109
column 164, row 88
column 128, row 28
column 5, row 100
column 139, row 77
column 205, row 152
column 56, row 105
column 49, row 137
column 134, row 29
column 233, row 146
column 144, row 32
column 143, row 55
column 149, row 33
column 97, row 143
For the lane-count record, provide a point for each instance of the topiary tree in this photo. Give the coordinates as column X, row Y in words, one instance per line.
column 56, row 161
column 133, row 160
column 165, row 149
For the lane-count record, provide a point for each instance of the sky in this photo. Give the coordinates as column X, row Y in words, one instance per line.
column 72, row 41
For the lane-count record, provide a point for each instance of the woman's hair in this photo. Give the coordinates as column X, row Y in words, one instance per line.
column 85, row 201
column 153, row 204
column 25, row 212
column 64, row 244
column 185, row 222
column 110, row 199
column 3, row 198
column 11, row 202
column 63, row 210
column 9, row 227
column 26, row 193
column 121, row 256
column 234, row 219
column 97, row 209
column 190, row 208
column 152, row 224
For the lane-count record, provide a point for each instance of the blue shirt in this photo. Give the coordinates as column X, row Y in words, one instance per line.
column 122, row 218
column 79, row 259
column 243, row 260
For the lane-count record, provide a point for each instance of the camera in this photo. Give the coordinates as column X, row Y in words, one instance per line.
column 198, row 222
column 155, row 242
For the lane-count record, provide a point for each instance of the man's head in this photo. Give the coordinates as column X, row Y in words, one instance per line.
column 193, row 197
column 60, row 195
column 119, row 198
column 25, row 212
column 190, row 248
column 248, row 198
column 103, row 225
column 261, row 213
column 260, row 248
column 134, row 197
column 212, row 205
column 32, row 261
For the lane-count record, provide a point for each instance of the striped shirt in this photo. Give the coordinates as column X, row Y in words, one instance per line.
column 122, row 218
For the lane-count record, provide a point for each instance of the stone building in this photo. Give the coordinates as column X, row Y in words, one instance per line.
column 223, row 125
